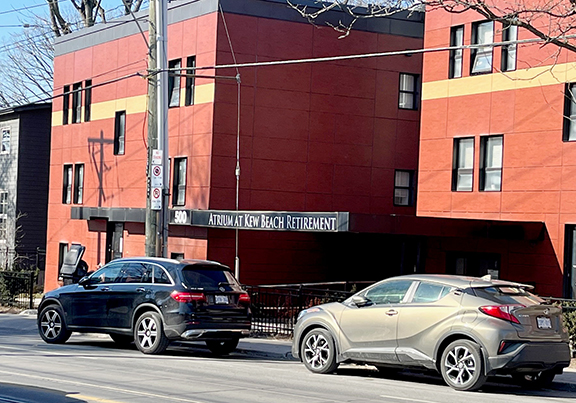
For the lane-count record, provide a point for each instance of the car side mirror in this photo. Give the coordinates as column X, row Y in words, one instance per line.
column 360, row 301
column 84, row 281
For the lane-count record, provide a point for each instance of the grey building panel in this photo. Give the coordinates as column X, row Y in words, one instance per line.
column 403, row 23
column 116, row 214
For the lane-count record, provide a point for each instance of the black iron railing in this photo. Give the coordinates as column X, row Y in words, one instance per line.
column 17, row 289
column 276, row 307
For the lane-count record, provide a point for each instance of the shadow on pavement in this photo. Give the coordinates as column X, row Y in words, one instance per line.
column 21, row 393
column 564, row 385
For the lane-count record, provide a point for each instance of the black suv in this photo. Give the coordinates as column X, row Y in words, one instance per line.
column 151, row 301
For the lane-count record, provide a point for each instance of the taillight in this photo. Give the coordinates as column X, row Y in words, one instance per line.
column 188, row 296
column 244, row 299
column 501, row 311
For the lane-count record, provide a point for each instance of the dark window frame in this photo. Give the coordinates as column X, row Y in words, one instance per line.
column 190, row 81
column 174, row 83
column 65, row 104
column 179, row 185
column 67, row 181
column 79, row 173
column 87, row 100
column 457, row 55
column 414, row 92
column 63, row 249
column 509, row 33
column 77, row 103
column 120, row 133
column 474, row 52
column 410, row 187
column 484, row 168
column 456, row 170
column 569, row 112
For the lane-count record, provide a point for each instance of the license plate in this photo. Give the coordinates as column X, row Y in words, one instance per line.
column 544, row 322
column 221, row 299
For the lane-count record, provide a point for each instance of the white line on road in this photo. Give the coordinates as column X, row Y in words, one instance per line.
column 110, row 388
column 408, row 399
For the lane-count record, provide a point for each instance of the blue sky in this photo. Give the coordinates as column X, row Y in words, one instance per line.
column 11, row 21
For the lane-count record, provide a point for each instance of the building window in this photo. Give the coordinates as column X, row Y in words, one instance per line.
column 62, row 251
column 87, row 100
column 5, row 147
column 491, row 148
column 569, row 133
column 463, row 164
column 78, row 183
column 67, row 185
column 403, row 188
column 408, row 97
column 179, row 182
column 177, row 256
column 190, row 81
column 77, row 103
column 65, row 104
column 3, row 214
column 509, row 51
column 119, row 132
column 481, row 58
column 174, row 83
column 456, row 39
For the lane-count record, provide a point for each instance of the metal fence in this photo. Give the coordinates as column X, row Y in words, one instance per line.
column 17, row 289
column 276, row 307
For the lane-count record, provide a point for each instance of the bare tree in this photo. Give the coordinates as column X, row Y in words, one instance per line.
column 552, row 20
column 88, row 10
column 27, row 72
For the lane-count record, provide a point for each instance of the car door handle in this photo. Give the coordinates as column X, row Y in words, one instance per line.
column 105, row 289
column 392, row 312
column 141, row 289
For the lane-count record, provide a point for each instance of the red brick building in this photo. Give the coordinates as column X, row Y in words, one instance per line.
column 338, row 137
column 496, row 144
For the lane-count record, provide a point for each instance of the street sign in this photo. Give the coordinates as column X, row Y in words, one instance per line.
column 157, row 179
column 156, row 200
column 156, row 157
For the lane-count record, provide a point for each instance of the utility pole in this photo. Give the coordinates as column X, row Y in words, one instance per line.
column 152, row 216
column 157, row 168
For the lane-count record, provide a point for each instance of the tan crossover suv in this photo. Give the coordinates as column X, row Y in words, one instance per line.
column 466, row 328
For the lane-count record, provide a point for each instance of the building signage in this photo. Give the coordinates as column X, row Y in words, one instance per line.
column 262, row 220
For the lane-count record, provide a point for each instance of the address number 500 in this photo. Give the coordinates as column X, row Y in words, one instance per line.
column 180, row 217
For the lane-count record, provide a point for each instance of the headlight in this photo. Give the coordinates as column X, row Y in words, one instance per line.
column 307, row 311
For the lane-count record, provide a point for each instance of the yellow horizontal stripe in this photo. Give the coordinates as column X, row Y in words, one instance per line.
column 107, row 109
column 482, row 84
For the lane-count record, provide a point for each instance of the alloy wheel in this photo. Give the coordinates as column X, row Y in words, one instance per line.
column 317, row 351
column 147, row 332
column 460, row 365
column 51, row 324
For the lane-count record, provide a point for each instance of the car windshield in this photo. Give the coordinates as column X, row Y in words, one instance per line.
column 508, row 295
column 209, row 278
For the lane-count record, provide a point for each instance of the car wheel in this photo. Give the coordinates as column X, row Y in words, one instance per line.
column 318, row 352
column 51, row 325
column 534, row 380
column 122, row 339
column 149, row 334
column 462, row 366
column 222, row 347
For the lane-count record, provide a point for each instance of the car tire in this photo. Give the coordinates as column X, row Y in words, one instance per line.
column 51, row 325
column 149, row 334
column 222, row 347
column 122, row 339
column 462, row 365
column 318, row 352
column 534, row 380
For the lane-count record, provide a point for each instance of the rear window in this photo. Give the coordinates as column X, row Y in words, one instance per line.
column 508, row 295
column 209, row 278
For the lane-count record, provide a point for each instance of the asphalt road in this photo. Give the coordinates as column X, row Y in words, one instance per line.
column 90, row 368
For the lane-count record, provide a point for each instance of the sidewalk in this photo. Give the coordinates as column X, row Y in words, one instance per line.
column 268, row 348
